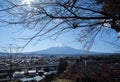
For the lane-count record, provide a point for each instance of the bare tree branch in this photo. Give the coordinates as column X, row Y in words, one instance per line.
column 74, row 14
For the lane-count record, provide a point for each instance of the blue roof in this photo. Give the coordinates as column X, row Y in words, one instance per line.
column 38, row 78
column 26, row 79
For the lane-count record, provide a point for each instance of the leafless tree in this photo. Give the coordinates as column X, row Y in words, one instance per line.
column 50, row 18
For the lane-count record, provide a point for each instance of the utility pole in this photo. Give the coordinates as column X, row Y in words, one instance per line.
column 85, row 70
column 9, row 50
column 10, row 56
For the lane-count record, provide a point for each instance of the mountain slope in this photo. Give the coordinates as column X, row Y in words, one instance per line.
column 64, row 50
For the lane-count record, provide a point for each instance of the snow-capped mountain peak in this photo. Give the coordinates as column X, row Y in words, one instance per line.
column 61, row 49
column 60, row 45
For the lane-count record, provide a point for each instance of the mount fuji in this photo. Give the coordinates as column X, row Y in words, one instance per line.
column 61, row 49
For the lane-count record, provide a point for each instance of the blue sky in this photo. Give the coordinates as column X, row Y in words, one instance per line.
column 11, row 35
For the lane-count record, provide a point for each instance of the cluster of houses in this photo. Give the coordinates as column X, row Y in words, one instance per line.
column 28, row 75
column 27, row 69
column 33, row 75
column 40, row 69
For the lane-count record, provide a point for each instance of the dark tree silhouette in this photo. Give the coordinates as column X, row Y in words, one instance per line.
column 62, row 66
column 50, row 18
column 111, row 8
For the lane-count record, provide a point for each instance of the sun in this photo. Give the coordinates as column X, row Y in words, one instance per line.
column 28, row 2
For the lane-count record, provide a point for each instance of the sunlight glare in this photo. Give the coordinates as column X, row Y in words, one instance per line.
column 28, row 2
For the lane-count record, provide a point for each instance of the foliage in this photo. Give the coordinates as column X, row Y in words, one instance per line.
column 62, row 80
column 92, row 72
column 62, row 66
column 111, row 8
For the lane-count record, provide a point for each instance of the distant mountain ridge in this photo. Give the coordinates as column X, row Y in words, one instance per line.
column 61, row 50
column 57, row 50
